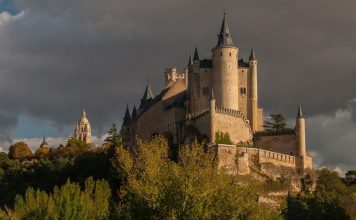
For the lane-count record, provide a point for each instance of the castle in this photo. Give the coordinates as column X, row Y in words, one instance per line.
column 218, row 96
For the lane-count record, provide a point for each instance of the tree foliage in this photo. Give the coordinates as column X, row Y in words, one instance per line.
column 154, row 187
column 276, row 122
column 66, row 202
column 332, row 199
column 20, row 151
column 222, row 138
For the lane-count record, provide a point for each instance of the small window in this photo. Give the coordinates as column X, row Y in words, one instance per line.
column 221, row 54
column 206, row 71
column 243, row 90
column 230, row 54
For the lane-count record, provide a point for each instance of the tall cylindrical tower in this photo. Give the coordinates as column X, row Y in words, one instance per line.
column 225, row 70
column 300, row 129
column 253, row 101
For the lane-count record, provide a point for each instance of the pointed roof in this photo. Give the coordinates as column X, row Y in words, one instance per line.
column 196, row 55
column 147, row 96
column 224, row 37
column 134, row 112
column 252, row 55
column 127, row 118
column 84, row 115
column 211, row 95
column 44, row 143
column 300, row 112
column 190, row 62
column 148, row 92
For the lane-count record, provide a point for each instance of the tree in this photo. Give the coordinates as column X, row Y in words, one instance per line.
column 20, row 151
column 222, row 138
column 66, row 202
column 154, row 187
column 350, row 177
column 277, row 122
column 42, row 152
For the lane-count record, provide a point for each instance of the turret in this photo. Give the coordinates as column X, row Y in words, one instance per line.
column 254, row 93
column 225, row 67
column 196, row 61
column 126, row 128
column 211, row 116
column 300, row 130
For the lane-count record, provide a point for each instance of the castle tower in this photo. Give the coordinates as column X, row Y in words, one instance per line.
column 225, row 69
column 211, row 115
column 253, row 102
column 194, row 82
column 300, row 129
column 126, row 128
column 83, row 129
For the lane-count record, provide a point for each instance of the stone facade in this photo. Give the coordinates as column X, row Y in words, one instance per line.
column 217, row 94
column 83, row 129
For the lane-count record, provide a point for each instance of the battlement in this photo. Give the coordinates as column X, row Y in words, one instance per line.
column 270, row 156
column 235, row 113
column 280, row 132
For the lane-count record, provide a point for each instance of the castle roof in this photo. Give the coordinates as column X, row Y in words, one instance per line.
column 252, row 55
column 190, row 60
column 44, row 143
column 134, row 112
column 147, row 97
column 300, row 112
column 224, row 37
column 127, row 118
column 196, row 55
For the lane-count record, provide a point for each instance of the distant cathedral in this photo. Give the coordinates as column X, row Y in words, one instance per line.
column 213, row 96
column 83, row 130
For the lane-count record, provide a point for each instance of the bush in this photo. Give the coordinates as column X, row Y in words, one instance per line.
column 66, row 202
column 20, row 151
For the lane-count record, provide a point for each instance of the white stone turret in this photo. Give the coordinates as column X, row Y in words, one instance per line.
column 211, row 116
column 253, row 102
column 300, row 129
column 83, row 129
column 225, row 68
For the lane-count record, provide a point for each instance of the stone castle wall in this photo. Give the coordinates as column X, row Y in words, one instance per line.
column 240, row 160
column 286, row 144
column 234, row 123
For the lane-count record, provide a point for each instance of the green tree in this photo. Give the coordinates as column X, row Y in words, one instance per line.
column 276, row 122
column 222, row 138
column 20, row 151
column 66, row 202
column 154, row 187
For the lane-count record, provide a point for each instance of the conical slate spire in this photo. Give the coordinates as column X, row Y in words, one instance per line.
column 134, row 112
column 300, row 112
column 84, row 114
column 196, row 55
column 127, row 118
column 252, row 55
column 148, row 92
column 147, row 96
column 190, row 62
column 224, row 37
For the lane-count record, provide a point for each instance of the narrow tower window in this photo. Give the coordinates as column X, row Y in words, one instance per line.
column 230, row 54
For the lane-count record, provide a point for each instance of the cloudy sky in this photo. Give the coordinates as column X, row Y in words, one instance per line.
column 59, row 57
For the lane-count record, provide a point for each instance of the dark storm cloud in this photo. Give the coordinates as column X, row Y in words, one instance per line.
column 63, row 56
